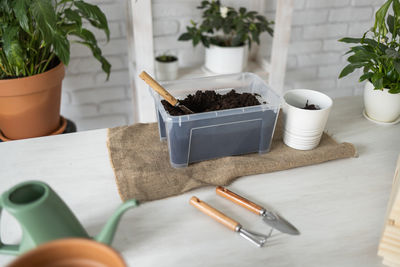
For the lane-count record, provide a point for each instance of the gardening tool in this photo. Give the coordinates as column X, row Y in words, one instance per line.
column 163, row 92
column 255, row 238
column 44, row 216
column 271, row 218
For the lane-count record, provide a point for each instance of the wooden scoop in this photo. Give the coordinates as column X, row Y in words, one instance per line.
column 163, row 92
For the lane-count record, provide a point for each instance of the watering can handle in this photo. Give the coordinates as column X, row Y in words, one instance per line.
column 8, row 249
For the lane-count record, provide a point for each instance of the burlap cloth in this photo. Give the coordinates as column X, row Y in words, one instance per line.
column 143, row 171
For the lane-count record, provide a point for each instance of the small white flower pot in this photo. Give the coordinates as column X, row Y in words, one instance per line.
column 166, row 71
column 224, row 60
column 303, row 128
column 381, row 106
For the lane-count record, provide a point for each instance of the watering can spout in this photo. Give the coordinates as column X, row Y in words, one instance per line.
column 107, row 233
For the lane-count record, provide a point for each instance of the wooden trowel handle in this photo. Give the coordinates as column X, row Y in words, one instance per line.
column 158, row 88
column 215, row 214
column 222, row 191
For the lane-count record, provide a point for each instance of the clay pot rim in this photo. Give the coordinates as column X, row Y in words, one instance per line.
column 7, row 86
column 59, row 130
column 70, row 242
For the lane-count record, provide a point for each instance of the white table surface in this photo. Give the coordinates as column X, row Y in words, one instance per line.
column 339, row 206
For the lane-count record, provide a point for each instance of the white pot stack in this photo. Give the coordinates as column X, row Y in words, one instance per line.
column 224, row 60
column 303, row 128
column 380, row 105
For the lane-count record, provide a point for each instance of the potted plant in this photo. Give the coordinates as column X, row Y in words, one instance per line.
column 34, row 48
column 377, row 53
column 166, row 67
column 226, row 33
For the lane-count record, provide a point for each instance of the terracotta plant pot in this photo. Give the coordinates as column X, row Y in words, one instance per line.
column 70, row 252
column 30, row 106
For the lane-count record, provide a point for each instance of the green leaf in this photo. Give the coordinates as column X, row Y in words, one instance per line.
column 380, row 18
column 396, row 7
column 94, row 15
column 358, row 58
column 185, row 36
column 349, row 69
column 365, row 76
column 350, row 40
column 21, row 10
column 396, row 65
column 89, row 40
column 392, row 53
column 73, row 16
column 395, row 90
column 45, row 16
column 205, row 41
column 105, row 65
column 196, row 39
column 12, row 47
column 377, row 80
column 61, row 47
column 378, row 84
column 390, row 23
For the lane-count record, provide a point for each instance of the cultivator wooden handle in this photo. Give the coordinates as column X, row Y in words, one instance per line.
column 158, row 88
column 222, row 191
column 215, row 214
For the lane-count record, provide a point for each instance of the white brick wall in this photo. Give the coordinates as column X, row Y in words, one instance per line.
column 87, row 98
column 315, row 57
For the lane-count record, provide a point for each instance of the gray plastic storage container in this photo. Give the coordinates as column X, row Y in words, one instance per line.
column 208, row 135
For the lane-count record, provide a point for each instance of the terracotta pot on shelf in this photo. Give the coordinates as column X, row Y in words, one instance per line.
column 30, row 106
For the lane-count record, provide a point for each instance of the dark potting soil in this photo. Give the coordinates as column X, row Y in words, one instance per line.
column 311, row 106
column 212, row 101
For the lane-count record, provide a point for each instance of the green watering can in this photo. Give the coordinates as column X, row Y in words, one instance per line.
column 44, row 216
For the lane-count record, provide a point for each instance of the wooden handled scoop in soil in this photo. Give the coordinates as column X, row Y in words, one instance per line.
column 163, row 92
column 257, row 239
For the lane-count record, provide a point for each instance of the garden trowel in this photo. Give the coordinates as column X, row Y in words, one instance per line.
column 271, row 218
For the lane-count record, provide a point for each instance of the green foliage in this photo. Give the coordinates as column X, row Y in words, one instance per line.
column 225, row 26
column 34, row 34
column 377, row 52
column 166, row 58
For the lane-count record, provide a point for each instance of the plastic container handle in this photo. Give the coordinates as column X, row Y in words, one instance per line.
column 222, row 191
column 215, row 214
column 8, row 249
column 158, row 88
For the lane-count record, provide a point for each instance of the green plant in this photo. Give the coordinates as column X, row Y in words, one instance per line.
column 166, row 58
column 34, row 34
column 378, row 53
column 225, row 26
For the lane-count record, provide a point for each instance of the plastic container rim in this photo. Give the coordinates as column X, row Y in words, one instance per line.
column 218, row 113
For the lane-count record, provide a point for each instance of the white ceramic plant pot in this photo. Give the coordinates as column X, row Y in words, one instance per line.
column 303, row 128
column 166, row 71
column 224, row 60
column 381, row 106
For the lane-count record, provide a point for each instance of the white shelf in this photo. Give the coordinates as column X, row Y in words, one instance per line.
column 200, row 71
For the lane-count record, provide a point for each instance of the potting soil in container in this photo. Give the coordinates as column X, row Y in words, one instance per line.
column 212, row 101
column 225, row 132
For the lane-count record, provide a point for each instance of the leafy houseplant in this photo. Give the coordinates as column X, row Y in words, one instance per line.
column 34, row 44
column 33, row 34
column 224, row 26
column 166, row 67
column 377, row 54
